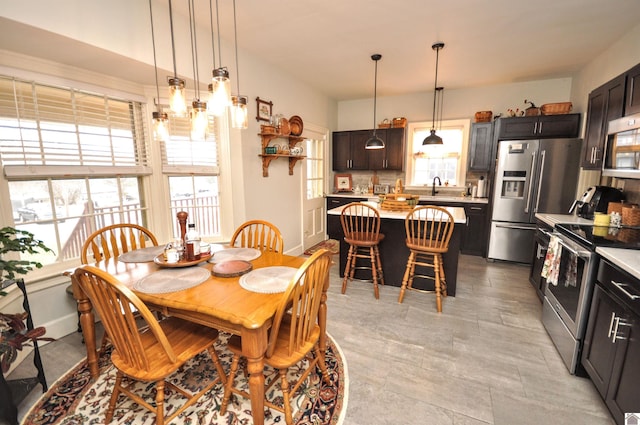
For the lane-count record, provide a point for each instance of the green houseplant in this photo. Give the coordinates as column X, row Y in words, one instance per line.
column 14, row 334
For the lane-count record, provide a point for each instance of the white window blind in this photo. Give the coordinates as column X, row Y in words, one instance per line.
column 52, row 131
column 181, row 155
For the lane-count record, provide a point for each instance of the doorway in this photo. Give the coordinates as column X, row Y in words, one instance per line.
column 313, row 183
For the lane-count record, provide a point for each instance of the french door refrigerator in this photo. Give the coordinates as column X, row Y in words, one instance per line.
column 532, row 176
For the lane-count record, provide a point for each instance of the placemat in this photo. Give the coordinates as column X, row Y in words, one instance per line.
column 246, row 254
column 171, row 280
column 142, row 255
column 268, row 280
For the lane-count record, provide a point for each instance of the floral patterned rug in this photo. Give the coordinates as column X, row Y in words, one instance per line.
column 74, row 399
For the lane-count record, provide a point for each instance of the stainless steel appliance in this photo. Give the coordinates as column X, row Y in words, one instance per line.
column 622, row 149
column 532, row 176
column 567, row 301
column 596, row 199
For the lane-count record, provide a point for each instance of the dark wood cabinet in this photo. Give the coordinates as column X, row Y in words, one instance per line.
column 633, row 91
column 474, row 240
column 539, row 127
column 349, row 151
column 605, row 104
column 480, row 146
column 338, row 201
column 612, row 341
column 392, row 156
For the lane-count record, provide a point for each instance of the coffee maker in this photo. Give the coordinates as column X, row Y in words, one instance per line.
column 595, row 199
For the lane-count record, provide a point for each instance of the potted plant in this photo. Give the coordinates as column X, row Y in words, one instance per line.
column 14, row 334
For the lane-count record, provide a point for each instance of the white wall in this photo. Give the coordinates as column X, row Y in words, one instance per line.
column 458, row 103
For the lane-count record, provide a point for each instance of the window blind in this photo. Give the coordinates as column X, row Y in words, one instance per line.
column 55, row 131
column 181, row 155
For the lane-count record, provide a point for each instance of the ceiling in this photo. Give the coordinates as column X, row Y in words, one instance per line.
column 329, row 43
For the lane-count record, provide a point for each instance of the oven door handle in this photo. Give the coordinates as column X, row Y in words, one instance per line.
column 581, row 254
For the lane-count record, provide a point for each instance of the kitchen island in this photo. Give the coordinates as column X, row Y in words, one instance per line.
column 393, row 250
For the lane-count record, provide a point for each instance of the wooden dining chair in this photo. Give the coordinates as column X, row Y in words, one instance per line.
column 361, row 227
column 151, row 354
column 428, row 230
column 258, row 234
column 111, row 241
column 294, row 334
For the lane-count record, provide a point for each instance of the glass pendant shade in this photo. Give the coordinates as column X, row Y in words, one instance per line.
column 199, row 120
column 220, row 94
column 160, row 126
column 239, row 113
column 177, row 98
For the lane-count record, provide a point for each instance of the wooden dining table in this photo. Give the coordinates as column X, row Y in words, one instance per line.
column 219, row 302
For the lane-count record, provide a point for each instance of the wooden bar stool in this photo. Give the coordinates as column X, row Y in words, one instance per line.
column 361, row 227
column 428, row 229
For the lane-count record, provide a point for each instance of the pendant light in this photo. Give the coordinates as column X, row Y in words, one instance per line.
column 160, row 119
column 220, row 93
column 434, row 139
column 239, row 114
column 199, row 119
column 375, row 142
column 177, row 99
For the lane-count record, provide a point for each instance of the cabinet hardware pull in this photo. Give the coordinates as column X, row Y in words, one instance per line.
column 535, row 127
column 613, row 316
column 624, row 291
column 540, row 127
column 476, row 208
column 615, row 331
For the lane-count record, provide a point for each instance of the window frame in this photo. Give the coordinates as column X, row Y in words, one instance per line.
column 461, row 172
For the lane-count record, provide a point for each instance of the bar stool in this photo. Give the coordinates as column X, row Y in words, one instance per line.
column 361, row 227
column 428, row 229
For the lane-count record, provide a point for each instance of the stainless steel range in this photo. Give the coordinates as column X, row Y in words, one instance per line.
column 568, row 294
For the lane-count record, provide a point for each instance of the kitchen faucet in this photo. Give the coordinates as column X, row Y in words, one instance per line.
column 433, row 188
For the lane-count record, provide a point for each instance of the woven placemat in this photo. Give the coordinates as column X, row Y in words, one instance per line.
column 268, row 280
column 172, row 280
column 142, row 255
column 246, row 254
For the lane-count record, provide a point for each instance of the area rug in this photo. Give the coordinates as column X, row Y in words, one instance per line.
column 75, row 399
column 330, row 244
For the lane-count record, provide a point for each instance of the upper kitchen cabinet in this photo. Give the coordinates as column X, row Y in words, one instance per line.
column 391, row 157
column 633, row 91
column 349, row 153
column 605, row 104
column 348, row 150
column 480, row 146
column 539, row 127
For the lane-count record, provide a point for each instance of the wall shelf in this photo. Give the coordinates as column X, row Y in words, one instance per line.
column 268, row 157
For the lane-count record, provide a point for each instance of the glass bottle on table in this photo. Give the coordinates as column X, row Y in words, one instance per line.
column 192, row 243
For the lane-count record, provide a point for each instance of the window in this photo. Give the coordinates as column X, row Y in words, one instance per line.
column 193, row 173
column 73, row 162
column 446, row 161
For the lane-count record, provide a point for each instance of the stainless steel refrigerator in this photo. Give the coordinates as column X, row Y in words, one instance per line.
column 532, row 176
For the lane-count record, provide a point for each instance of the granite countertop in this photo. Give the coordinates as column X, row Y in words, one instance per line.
column 459, row 216
column 435, row 199
column 553, row 219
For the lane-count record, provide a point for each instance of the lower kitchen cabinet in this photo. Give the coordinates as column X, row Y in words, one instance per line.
column 338, row 201
column 474, row 240
column 612, row 342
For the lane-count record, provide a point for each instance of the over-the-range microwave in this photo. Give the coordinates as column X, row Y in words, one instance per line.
column 622, row 150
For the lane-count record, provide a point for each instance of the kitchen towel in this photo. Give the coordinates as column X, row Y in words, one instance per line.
column 551, row 266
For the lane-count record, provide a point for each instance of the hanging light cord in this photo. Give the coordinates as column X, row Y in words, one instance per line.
column 375, row 91
column 235, row 35
column 435, row 88
column 173, row 46
column 213, row 42
column 194, row 47
column 155, row 64
column 218, row 25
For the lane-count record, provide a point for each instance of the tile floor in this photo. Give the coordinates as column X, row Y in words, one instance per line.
column 486, row 359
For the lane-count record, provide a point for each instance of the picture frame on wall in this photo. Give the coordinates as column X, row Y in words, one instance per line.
column 343, row 183
column 265, row 110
